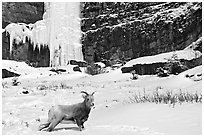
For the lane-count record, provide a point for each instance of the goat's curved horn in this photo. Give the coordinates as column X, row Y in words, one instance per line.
column 84, row 92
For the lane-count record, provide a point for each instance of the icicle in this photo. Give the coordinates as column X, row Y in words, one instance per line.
column 11, row 28
column 17, row 32
column 11, row 43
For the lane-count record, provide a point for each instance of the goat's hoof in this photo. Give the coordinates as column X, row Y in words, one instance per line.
column 49, row 130
column 80, row 129
column 40, row 128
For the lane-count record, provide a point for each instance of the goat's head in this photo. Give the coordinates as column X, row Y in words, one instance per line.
column 88, row 99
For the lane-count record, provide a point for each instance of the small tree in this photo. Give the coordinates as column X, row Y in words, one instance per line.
column 94, row 69
column 174, row 65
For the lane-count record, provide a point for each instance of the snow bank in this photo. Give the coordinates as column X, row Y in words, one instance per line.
column 6, row 64
column 195, row 70
column 28, row 72
column 147, row 118
column 17, row 67
column 187, row 54
column 182, row 82
column 24, row 70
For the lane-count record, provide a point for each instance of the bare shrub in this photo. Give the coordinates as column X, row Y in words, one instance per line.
column 64, row 86
column 42, row 87
column 174, row 65
column 94, row 69
column 15, row 81
column 4, row 84
column 165, row 97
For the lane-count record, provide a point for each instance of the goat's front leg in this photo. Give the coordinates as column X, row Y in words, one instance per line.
column 79, row 124
column 82, row 125
column 83, row 120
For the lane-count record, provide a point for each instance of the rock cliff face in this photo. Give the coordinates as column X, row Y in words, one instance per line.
column 123, row 31
column 114, row 32
column 26, row 12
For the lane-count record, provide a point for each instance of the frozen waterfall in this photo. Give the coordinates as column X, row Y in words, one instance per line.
column 64, row 31
column 59, row 29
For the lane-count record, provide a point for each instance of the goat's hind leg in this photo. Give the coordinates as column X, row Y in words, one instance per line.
column 45, row 125
column 42, row 126
column 53, row 124
column 82, row 123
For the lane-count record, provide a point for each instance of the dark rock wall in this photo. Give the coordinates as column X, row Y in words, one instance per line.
column 5, row 46
column 131, row 31
column 18, row 12
column 110, row 13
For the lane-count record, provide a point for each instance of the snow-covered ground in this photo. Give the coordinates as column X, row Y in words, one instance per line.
column 112, row 114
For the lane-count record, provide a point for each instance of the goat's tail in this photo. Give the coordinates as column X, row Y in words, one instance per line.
column 45, row 125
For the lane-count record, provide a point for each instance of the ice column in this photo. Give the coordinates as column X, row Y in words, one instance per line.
column 64, row 32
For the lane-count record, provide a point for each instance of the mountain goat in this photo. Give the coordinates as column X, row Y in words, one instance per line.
column 76, row 113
